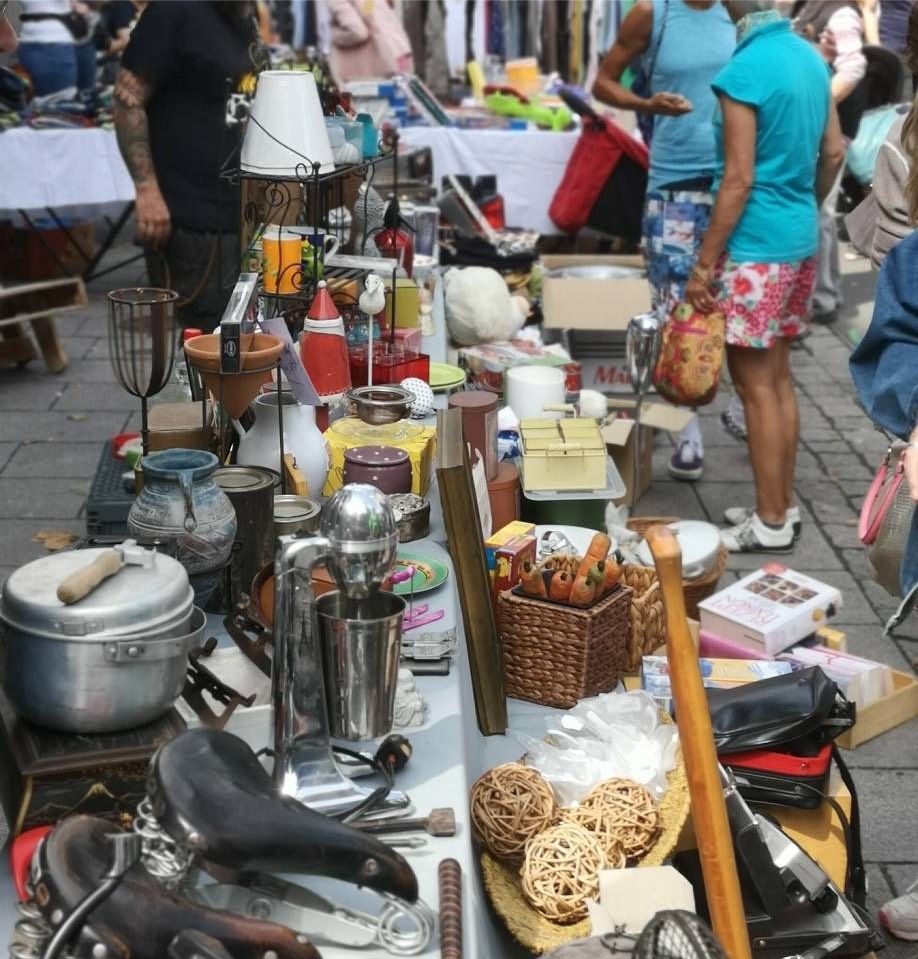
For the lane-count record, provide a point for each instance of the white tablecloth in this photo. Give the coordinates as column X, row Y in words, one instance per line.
column 529, row 165
column 78, row 173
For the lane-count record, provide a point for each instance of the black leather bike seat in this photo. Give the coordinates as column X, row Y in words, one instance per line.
column 141, row 917
column 209, row 791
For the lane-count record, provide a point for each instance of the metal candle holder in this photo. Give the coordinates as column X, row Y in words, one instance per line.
column 141, row 343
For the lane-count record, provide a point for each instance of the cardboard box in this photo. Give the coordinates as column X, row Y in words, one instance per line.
column 622, row 441
column 502, row 537
column 770, row 609
column 891, row 711
column 486, row 363
column 407, row 301
column 582, row 304
column 178, row 426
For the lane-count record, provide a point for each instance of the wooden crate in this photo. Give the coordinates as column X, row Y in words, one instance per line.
column 885, row 714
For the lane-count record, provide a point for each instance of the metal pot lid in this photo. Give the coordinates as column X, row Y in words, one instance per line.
column 290, row 506
column 136, row 599
column 376, row 455
column 245, row 479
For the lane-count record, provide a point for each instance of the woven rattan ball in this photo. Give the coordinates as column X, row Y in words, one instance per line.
column 604, row 827
column 511, row 804
column 632, row 814
column 561, row 872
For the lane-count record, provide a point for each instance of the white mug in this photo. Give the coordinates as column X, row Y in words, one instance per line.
column 527, row 389
column 318, row 236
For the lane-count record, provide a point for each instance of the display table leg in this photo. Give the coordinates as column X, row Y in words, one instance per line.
column 15, row 346
column 46, row 334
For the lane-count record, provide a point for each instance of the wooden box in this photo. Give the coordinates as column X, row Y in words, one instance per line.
column 885, row 714
column 49, row 775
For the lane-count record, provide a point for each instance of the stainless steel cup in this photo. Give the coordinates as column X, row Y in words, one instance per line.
column 361, row 640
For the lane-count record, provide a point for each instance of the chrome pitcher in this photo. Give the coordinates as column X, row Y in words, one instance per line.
column 642, row 350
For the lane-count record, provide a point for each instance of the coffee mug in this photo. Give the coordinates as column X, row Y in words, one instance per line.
column 281, row 256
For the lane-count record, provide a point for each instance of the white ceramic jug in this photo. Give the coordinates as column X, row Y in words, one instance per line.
column 302, row 438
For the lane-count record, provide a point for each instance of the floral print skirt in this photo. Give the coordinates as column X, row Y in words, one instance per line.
column 765, row 301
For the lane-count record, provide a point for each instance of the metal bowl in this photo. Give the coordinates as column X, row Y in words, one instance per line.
column 379, row 405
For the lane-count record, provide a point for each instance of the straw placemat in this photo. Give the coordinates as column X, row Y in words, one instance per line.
column 538, row 934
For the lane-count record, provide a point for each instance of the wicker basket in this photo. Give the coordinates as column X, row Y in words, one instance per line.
column 695, row 590
column 648, row 624
column 557, row 655
column 534, row 931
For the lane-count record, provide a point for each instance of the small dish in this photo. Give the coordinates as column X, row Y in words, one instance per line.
column 699, row 542
column 429, row 573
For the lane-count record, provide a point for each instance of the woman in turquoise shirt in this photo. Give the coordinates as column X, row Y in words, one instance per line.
column 779, row 149
column 681, row 44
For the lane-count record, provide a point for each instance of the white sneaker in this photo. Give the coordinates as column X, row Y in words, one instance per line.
column 753, row 536
column 900, row 916
column 736, row 515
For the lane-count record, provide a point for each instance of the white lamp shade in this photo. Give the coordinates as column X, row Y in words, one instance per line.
column 285, row 134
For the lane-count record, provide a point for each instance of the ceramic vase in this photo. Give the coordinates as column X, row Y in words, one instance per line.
column 260, row 446
column 182, row 506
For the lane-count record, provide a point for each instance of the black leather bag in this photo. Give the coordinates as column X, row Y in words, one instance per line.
column 799, row 715
column 804, row 709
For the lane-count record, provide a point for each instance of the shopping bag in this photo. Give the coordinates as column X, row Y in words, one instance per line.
column 691, row 356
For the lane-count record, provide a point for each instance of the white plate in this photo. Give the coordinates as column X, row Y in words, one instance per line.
column 699, row 542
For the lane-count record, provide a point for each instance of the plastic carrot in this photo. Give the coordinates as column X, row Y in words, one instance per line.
column 585, row 588
column 532, row 581
column 611, row 575
column 598, row 551
column 560, row 587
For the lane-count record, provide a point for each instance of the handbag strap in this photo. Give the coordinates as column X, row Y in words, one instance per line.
column 880, row 497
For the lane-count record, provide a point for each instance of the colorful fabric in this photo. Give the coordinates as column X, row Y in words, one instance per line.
column 674, row 225
column 691, row 356
column 780, row 223
column 765, row 301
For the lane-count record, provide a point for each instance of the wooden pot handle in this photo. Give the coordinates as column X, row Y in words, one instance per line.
column 696, row 735
column 81, row 583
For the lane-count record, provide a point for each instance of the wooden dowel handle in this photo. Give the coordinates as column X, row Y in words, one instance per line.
column 85, row 580
column 696, row 735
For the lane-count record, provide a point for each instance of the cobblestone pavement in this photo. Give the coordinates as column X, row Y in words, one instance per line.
column 52, row 427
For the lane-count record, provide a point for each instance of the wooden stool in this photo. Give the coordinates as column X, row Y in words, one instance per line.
column 37, row 304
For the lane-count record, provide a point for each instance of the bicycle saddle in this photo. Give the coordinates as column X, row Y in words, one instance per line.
column 141, row 918
column 211, row 794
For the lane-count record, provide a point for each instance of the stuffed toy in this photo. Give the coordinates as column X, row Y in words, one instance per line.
column 479, row 307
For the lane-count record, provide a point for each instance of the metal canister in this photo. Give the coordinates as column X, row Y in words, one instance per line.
column 294, row 515
column 251, row 491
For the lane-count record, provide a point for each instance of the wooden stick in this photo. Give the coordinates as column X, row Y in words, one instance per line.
column 709, row 812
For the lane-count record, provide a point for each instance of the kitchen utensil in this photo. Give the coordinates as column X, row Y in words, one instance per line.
column 260, row 446
column 285, row 135
column 412, row 516
column 444, row 377
column 388, row 468
column 421, row 616
column 141, row 343
column 429, row 573
column 642, row 349
column 479, row 425
column 182, row 505
column 378, row 405
column 430, row 667
column 357, row 544
column 438, row 822
column 529, row 389
column 251, row 491
column 562, row 539
column 80, row 584
column 294, row 515
column 449, row 880
column 699, row 544
column 696, row 737
column 361, row 641
column 114, row 660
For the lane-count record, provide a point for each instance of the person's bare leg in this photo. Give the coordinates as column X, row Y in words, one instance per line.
column 790, row 413
column 753, row 374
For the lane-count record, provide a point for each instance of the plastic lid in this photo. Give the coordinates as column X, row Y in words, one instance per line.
column 474, row 401
column 376, row 455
